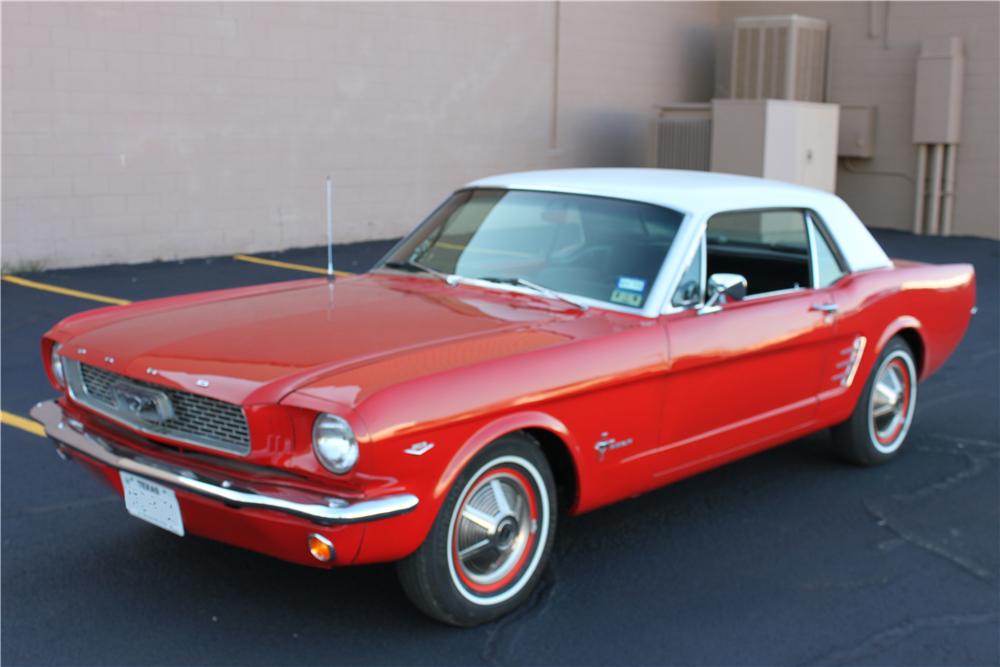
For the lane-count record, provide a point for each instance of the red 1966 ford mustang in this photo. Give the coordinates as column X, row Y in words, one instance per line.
column 545, row 343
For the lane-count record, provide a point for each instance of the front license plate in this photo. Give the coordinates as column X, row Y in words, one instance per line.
column 152, row 502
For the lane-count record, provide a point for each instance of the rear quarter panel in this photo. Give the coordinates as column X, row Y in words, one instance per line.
column 933, row 301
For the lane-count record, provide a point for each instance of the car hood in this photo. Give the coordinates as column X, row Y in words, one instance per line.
column 255, row 345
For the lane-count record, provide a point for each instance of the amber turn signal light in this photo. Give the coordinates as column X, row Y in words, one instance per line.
column 320, row 548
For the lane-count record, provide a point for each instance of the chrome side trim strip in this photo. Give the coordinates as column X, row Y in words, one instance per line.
column 70, row 434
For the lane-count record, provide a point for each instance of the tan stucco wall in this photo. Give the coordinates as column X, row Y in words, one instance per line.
column 135, row 131
column 869, row 68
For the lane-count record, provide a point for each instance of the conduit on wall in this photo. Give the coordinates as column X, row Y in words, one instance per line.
column 935, row 203
column 936, row 131
column 554, row 118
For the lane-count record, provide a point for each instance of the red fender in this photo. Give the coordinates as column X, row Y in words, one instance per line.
column 496, row 429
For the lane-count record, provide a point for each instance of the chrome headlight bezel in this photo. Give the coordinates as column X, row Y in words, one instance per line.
column 56, row 365
column 334, row 443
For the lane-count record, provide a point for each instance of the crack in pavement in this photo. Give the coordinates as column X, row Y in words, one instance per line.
column 978, row 463
column 878, row 643
column 966, row 564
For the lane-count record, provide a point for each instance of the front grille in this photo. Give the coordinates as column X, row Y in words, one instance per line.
column 199, row 420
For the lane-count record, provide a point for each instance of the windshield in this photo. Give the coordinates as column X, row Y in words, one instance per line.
column 609, row 250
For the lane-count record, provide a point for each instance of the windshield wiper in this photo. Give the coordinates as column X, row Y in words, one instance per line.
column 541, row 289
column 409, row 264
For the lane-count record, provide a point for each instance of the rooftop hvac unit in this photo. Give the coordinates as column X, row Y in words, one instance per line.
column 684, row 137
column 779, row 57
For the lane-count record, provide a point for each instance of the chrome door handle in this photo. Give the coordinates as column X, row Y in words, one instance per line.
column 824, row 307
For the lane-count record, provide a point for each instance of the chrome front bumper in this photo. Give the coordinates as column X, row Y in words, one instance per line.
column 69, row 433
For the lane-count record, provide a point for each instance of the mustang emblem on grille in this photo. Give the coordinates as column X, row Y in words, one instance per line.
column 147, row 404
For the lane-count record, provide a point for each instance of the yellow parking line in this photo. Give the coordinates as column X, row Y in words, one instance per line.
column 24, row 282
column 285, row 265
column 29, row 425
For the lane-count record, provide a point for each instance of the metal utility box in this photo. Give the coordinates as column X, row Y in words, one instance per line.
column 938, row 100
column 780, row 139
column 779, row 57
column 856, row 137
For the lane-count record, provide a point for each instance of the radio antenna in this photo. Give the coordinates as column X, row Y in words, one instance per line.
column 329, row 228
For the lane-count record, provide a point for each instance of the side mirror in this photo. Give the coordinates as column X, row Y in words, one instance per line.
column 721, row 288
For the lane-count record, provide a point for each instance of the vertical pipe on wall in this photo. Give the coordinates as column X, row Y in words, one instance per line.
column 554, row 118
column 934, row 203
column 872, row 31
column 948, row 196
column 918, row 205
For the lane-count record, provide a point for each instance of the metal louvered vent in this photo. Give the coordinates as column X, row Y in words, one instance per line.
column 779, row 57
column 684, row 137
column 198, row 420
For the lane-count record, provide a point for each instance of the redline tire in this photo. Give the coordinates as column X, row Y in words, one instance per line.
column 491, row 539
column 877, row 428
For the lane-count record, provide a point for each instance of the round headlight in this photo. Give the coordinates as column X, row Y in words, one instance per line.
column 56, row 364
column 334, row 443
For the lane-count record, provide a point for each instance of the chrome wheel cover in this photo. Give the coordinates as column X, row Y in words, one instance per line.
column 498, row 531
column 890, row 406
column 493, row 529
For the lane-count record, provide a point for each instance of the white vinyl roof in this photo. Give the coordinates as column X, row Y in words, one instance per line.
column 702, row 194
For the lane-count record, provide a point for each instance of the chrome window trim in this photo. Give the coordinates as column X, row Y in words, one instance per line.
column 669, row 274
column 686, row 243
column 702, row 278
column 817, row 227
column 810, row 219
column 777, row 292
column 74, row 379
column 813, row 263
column 824, row 230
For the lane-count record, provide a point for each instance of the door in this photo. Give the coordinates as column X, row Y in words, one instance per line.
column 747, row 375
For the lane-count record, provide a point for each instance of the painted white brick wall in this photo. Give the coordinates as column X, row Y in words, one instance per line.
column 881, row 72
column 141, row 131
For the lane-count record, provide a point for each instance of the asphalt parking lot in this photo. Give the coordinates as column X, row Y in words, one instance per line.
column 787, row 558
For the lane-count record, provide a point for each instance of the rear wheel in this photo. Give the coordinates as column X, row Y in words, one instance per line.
column 877, row 429
column 491, row 539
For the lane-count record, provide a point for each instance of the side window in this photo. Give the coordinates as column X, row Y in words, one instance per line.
column 828, row 269
column 769, row 248
column 689, row 288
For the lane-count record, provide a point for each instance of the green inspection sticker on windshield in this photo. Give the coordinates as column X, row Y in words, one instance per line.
column 627, row 298
column 629, row 291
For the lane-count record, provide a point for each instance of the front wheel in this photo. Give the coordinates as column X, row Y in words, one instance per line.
column 878, row 426
column 490, row 541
